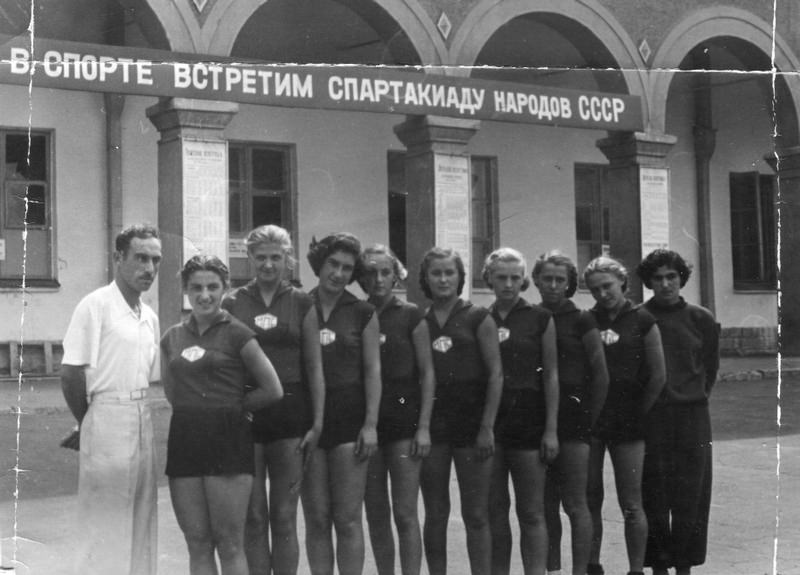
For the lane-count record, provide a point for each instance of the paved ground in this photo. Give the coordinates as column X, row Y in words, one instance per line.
column 755, row 511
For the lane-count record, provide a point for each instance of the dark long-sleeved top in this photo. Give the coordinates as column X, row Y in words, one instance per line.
column 690, row 337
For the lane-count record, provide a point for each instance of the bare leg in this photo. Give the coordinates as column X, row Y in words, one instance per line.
column 285, row 465
column 435, row 485
column 379, row 513
column 552, row 515
column 527, row 473
column 595, row 495
column 228, row 497
column 256, row 532
column 348, row 479
column 316, row 510
column 405, row 471
column 191, row 510
column 628, row 458
column 573, row 463
column 474, row 476
column 499, row 507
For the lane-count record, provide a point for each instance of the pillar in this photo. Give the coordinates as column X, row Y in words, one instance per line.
column 786, row 163
column 628, row 154
column 113, row 105
column 192, row 189
column 438, row 184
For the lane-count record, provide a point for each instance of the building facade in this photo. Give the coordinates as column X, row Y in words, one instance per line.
column 589, row 126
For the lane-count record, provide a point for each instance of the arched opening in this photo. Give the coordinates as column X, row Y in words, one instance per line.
column 117, row 23
column 550, row 50
column 729, row 111
column 324, row 32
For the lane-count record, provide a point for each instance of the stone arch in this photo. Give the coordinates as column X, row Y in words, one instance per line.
column 704, row 25
column 409, row 15
column 489, row 15
column 178, row 23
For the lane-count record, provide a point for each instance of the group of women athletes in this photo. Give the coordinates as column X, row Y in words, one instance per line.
column 324, row 397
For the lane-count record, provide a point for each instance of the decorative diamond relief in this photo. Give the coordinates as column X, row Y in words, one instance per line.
column 444, row 25
column 644, row 50
column 200, row 4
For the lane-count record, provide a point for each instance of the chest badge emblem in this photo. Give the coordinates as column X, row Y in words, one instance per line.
column 265, row 321
column 193, row 353
column 609, row 336
column 442, row 344
column 503, row 333
column 326, row 336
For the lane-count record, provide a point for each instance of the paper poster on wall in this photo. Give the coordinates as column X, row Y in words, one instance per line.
column 654, row 194
column 453, row 222
column 205, row 198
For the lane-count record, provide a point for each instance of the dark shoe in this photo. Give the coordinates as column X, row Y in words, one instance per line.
column 595, row 569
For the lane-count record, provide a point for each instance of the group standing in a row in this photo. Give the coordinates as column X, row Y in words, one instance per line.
column 325, row 397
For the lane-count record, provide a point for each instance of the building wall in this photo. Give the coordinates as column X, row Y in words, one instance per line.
column 341, row 179
column 79, row 204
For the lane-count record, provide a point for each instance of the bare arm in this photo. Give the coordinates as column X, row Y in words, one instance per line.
column 370, row 351
column 312, row 356
column 549, row 446
column 654, row 355
column 597, row 361
column 166, row 378
column 490, row 350
column 268, row 389
column 427, row 382
column 73, row 386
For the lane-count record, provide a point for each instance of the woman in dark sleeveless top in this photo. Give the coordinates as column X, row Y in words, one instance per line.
column 469, row 381
column 583, row 384
column 405, row 414
column 285, row 323
column 336, row 475
column 635, row 362
column 525, row 431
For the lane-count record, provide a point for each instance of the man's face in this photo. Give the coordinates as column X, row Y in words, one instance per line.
column 137, row 268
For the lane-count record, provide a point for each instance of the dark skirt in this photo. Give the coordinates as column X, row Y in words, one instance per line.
column 290, row 417
column 209, row 442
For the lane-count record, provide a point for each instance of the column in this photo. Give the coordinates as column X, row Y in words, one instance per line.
column 438, row 183
column 192, row 189
column 787, row 167
column 637, row 193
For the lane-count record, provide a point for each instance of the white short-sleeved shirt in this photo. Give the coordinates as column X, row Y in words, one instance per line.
column 119, row 349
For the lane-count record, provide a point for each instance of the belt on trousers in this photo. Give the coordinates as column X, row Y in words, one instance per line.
column 118, row 396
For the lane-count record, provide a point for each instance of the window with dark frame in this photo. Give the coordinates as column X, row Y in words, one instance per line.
column 260, row 184
column 26, row 209
column 591, row 214
column 753, row 231
column 485, row 225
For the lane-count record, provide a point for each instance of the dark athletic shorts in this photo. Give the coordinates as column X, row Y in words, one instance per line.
column 290, row 417
column 399, row 414
column 574, row 417
column 520, row 419
column 345, row 410
column 205, row 442
column 457, row 413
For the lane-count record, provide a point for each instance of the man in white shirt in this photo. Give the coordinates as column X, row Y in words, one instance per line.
column 110, row 357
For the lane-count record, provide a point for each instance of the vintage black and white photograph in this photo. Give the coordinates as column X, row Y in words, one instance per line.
column 414, row 287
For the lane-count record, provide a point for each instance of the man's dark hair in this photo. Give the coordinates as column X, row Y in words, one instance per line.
column 141, row 231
